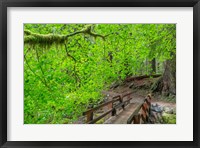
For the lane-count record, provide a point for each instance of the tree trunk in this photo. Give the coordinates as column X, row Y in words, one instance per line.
column 169, row 77
column 153, row 66
column 167, row 83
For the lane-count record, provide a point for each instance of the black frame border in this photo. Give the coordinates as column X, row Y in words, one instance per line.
column 4, row 4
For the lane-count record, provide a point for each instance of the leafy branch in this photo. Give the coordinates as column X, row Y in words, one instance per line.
column 42, row 80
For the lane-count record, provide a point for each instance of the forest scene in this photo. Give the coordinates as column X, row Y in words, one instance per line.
column 99, row 73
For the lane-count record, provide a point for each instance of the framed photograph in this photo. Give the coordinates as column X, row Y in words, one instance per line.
column 99, row 73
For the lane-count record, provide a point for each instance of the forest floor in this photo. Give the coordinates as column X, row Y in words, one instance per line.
column 140, row 88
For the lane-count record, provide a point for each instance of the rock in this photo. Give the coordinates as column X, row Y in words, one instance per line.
column 156, row 108
column 155, row 118
column 168, row 110
column 174, row 111
column 169, row 118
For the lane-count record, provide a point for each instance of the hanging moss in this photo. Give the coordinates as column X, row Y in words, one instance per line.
column 50, row 39
column 27, row 32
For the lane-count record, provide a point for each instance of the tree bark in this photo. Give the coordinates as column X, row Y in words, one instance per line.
column 153, row 66
column 169, row 77
column 166, row 85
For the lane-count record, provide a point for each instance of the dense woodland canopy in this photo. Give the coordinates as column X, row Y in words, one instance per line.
column 66, row 66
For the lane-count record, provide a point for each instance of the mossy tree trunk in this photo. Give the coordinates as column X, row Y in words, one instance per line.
column 153, row 66
column 166, row 85
column 169, row 77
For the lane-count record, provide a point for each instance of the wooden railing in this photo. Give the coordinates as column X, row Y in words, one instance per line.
column 142, row 113
column 121, row 103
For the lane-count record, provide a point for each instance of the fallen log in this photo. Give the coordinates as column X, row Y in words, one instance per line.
column 129, row 79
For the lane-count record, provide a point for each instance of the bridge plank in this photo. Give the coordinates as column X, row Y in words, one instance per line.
column 123, row 116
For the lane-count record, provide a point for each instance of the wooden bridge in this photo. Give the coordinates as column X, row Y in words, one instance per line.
column 122, row 109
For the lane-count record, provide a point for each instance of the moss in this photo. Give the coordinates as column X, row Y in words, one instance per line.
column 66, row 121
column 48, row 39
column 169, row 118
column 27, row 32
column 101, row 121
column 51, row 39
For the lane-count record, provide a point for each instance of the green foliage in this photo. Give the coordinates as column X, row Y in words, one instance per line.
column 61, row 82
column 169, row 118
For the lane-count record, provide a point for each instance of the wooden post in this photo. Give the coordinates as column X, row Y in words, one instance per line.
column 89, row 116
column 136, row 119
column 144, row 112
column 149, row 103
column 121, row 101
column 114, row 112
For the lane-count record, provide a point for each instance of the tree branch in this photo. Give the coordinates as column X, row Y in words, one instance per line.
column 49, row 39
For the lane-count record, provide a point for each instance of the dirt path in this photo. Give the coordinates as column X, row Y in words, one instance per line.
column 164, row 103
column 140, row 89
